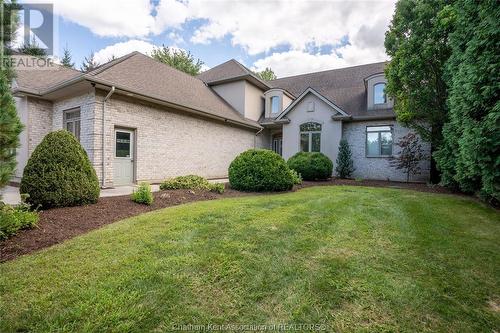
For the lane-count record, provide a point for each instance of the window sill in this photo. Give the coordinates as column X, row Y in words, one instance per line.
column 379, row 156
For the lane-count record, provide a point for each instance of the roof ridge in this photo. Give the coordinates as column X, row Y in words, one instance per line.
column 328, row 70
column 112, row 63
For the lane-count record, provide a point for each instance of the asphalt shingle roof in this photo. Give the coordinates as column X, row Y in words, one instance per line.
column 142, row 74
column 345, row 87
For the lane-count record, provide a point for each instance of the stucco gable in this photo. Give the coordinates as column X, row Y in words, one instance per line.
column 336, row 110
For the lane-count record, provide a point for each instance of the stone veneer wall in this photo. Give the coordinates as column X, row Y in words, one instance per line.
column 378, row 167
column 170, row 143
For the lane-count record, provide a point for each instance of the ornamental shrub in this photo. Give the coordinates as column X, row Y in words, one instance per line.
column 14, row 218
column 297, row 178
column 260, row 170
column 191, row 182
column 143, row 194
column 59, row 173
column 311, row 166
column 345, row 165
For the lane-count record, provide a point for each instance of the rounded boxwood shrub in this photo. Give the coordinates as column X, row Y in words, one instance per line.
column 59, row 173
column 311, row 166
column 260, row 170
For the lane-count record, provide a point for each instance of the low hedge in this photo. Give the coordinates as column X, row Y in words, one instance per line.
column 260, row 170
column 191, row 182
column 311, row 166
column 59, row 173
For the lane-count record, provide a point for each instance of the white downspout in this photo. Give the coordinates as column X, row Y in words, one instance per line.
column 104, row 134
column 255, row 138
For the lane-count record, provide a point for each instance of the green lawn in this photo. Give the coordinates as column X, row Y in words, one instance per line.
column 354, row 258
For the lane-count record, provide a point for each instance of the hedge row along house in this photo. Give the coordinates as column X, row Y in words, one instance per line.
column 141, row 120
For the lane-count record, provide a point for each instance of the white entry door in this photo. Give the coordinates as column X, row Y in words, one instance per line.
column 124, row 157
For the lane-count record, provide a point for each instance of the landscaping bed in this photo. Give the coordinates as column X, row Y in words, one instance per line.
column 59, row 224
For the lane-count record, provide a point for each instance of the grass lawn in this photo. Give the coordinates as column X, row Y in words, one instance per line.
column 353, row 258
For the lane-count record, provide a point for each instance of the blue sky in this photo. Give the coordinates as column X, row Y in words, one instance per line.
column 292, row 37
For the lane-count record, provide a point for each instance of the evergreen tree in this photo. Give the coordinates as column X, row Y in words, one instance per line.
column 345, row 165
column 417, row 42
column 89, row 63
column 267, row 74
column 10, row 128
column 180, row 59
column 66, row 60
column 470, row 155
column 32, row 48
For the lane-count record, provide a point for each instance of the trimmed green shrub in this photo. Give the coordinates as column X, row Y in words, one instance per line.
column 191, row 182
column 311, row 166
column 345, row 164
column 59, row 173
column 260, row 170
column 14, row 218
column 297, row 178
column 143, row 194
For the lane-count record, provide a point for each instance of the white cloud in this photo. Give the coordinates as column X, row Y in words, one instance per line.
column 108, row 17
column 256, row 26
column 123, row 48
column 298, row 62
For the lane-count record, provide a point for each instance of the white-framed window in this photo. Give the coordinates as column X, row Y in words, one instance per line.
column 275, row 104
column 379, row 96
column 378, row 141
column 310, row 137
column 72, row 122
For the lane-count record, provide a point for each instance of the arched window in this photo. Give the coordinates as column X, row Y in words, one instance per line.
column 379, row 96
column 310, row 137
column 275, row 104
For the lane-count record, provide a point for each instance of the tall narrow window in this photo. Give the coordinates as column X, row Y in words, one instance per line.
column 275, row 104
column 72, row 122
column 278, row 144
column 310, row 137
column 378, row 141
column 379, row 96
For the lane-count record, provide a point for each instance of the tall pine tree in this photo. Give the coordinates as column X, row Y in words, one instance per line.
column 89, row 63
column 66, row 60
column 470, row 155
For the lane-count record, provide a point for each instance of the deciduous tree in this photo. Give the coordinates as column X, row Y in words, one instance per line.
column 410, row 155
column 179, row 59
column 417, row 42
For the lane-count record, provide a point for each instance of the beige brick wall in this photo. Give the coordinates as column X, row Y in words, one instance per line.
column 86, row 103
column 170, row 143
column 39, row 121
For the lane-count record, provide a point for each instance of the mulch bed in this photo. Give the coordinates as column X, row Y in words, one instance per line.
column 59, row 224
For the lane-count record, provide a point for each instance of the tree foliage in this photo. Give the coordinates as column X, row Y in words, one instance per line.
column 417, row 42
column 267, row 74
column 345, row 164
column 32, row 48
column 89, row 63
column 179, row 59
column 470, row 155
column 409, row 157
column 66, row 61
column 10, row 128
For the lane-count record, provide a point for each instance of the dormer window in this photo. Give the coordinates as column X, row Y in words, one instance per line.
column 275, row 104
column 379, row 96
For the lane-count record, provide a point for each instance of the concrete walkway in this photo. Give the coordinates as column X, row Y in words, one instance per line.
column 10, row 194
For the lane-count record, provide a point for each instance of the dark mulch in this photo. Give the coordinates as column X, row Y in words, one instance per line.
column 59, row 224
